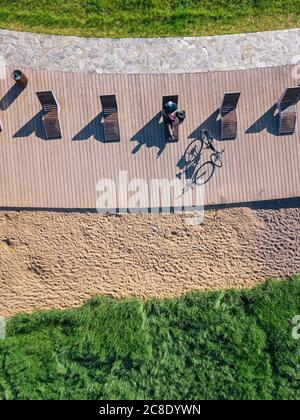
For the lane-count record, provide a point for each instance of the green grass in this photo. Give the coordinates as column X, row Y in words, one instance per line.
column 148, row 18
column 211, row 345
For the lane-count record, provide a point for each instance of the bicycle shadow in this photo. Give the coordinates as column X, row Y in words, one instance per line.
column 190, row 166
column 190, row 158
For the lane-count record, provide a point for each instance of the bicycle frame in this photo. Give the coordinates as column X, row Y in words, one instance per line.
column 193, row 156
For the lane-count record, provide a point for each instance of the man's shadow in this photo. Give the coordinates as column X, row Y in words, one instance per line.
column 35, row 125
column 151, row 135
column 211, row 124
column 92, row 129
column 11, row 96
column 269, row 121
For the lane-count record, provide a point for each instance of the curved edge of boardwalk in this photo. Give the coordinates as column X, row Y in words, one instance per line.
column 150, row 55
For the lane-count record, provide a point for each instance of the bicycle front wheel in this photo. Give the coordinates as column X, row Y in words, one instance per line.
column 216, row 160
column 204, row 173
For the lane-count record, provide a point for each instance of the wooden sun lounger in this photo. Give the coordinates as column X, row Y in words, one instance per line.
column 286, row 106
column 110, row 118
column 173, row 98
column 50, row 117
column 228, row 115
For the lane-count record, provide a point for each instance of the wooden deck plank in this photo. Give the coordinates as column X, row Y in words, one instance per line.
column 64, row 173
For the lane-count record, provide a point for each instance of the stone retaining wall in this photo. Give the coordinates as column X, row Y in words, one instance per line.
column 159, row 55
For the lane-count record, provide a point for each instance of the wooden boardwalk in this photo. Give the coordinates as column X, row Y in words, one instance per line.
column 62, row 174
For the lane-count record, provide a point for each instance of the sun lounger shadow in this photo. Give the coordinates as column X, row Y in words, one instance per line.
column 268, row 121
column 151, row 135
column 93, row 129
column 211, row 124
column 35, row 125
column 11, row 96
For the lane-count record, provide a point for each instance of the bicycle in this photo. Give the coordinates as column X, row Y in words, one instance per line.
column 208, row 140
column 201, row 174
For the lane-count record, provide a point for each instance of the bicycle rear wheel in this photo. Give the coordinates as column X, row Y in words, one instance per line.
column 193, row 151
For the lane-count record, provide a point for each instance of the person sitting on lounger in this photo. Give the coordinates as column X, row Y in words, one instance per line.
column 170, row 117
